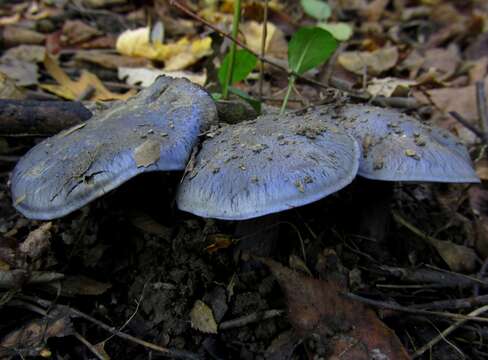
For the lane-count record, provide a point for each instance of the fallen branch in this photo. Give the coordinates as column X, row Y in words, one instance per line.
column 31, row 117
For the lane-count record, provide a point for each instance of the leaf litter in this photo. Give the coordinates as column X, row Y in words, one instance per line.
column 174, row 280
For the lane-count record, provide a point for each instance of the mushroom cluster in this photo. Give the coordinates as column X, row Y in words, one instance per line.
column 244, row 170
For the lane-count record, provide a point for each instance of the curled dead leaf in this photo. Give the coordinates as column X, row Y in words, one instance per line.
column 37, row 241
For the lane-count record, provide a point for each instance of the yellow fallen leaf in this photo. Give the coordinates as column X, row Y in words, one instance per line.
column 72, row 90
column 176, row 56
column 374, row 62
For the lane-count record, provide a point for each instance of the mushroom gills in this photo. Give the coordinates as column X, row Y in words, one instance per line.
column 268, row 165
column 398, row 147
column 153, row 131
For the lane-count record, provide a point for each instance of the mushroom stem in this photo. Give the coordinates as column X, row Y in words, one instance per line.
column 375, row 201
column 257, row 237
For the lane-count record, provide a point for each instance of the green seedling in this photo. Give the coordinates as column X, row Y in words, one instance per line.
column 232, row 52
column 308, row 48
column 320, row 10
column 236, row 66
column 244, row 63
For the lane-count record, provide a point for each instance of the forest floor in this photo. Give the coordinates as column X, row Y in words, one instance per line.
column 376, row 271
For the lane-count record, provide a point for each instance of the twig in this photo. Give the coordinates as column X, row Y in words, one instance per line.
column 138, row 303
column 429, row 239
column 179, row 354
column 254, row 317
column 434, row 277
column 449, row 330
column 168, row 352
column 90, row 347
column 451, row 304
column 400, row 308
column 481, row 104
column 263, row 49
column 468, row 126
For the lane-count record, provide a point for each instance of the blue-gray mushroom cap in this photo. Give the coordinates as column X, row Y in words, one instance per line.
column 267, row 165
column 398, row 147
column 153, row 131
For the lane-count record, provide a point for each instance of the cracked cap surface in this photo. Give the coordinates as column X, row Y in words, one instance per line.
column 153, row 131
column 268, row 165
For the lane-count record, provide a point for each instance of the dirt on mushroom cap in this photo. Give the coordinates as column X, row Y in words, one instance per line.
column 268, row 165
column 65, row 172
column 398, row 147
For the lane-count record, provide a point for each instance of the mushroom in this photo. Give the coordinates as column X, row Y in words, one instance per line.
column 398, row 147
column 153, row 131
column 268, row 165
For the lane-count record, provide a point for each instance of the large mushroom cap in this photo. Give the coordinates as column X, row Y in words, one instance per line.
column 268, row 165
column 155, row 130
column 398, row 147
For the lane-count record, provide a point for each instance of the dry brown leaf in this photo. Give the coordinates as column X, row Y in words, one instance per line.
column 147, row 153
column 10, row 19
column 374, row 62
column 76, row 31
column 461, row 100
column 15, row 35
column 33, row 335
column 202, row 318
column 459, row 258
column 111, row 61
column 8, row 89
column 37, row 241
column 443, row 61
column 72, row 90
column 82, row 285
column 479, row 70
column 481, row 241
column 352, row 331
column 478, row 49
column 276, row 45
column 481, row 167
column 374, row 10
column 389, row 87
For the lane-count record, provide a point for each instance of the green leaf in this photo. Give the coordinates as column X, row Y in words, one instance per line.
column 216, row 96
column 341, row 31
column 244, row 63
column 317, row 9
column 309, row 47
column 256, row 104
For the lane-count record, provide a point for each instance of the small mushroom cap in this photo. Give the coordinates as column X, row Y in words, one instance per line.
column 398, row 147
column 153, row 131
column 267, row 165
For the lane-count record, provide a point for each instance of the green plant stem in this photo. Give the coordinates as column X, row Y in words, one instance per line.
column 263, row 49
column 291, row 82
column 233, row 46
